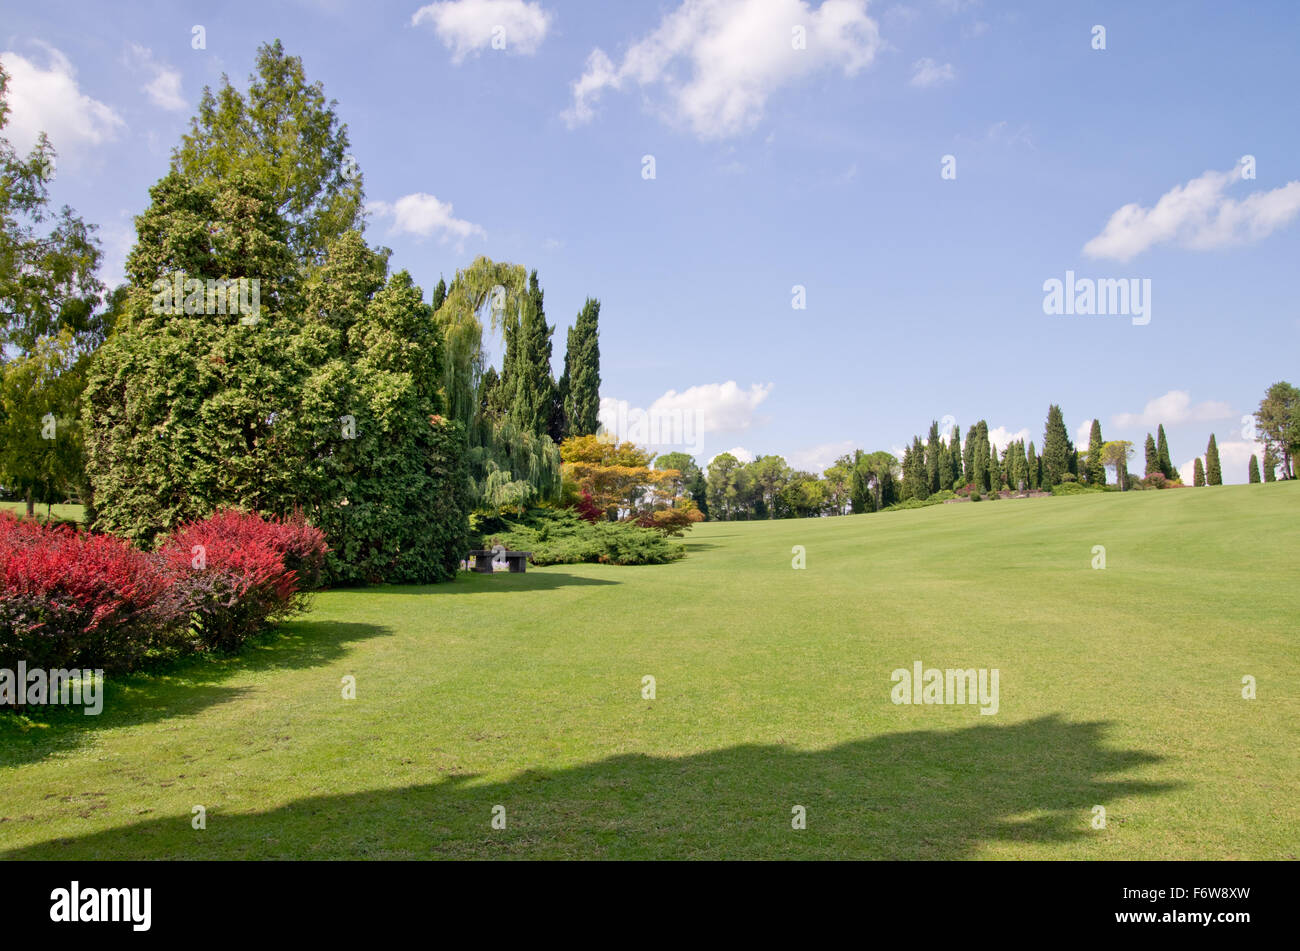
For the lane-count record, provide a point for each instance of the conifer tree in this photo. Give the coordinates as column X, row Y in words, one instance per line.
column 1031, row 459
column 968, row 455
column 932, row 458
column 955, row 457
column 1056, row 448
column 1213, row 474
column 582, row 372
column 1270, row 465
column 1096, row 467
column 1198, row 473
column 1162, row 447
column 1153, row 457
column 1254, row 469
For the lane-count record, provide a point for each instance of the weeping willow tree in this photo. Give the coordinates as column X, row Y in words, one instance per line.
column 509, row 467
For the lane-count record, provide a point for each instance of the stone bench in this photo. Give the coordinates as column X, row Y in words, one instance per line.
column 516, row 560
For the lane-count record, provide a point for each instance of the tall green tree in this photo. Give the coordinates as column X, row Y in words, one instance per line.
column 1254, row 469
column 1278, row 423
column 932, row 443
column 1031, row 458
column 1162, row 450
column 955, row 473
column 1056, row 447
column 1270, row 465
column 770, row 474
column 581, row 379
column 1213, row 473
column 1096, row 467
column 1152, row 456
column 285, row 135
column 968, row 455
column 1198, row 473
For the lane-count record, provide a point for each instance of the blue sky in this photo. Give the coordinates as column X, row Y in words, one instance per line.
column 774, row 166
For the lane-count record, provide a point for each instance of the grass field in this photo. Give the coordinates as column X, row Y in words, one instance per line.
column 1118, row 687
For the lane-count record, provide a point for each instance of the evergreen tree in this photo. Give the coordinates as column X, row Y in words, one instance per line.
column 955, row 458
column 968, row 455
column 1270, row 465
column 932, row 444
column 1056, row 448
column 1198, row 473
column 1031, row 468
column 1096, row 467
column 979, row 444
column 995, row 470
column 1153, row 456
column 1213, row 474
column 581, row 379
column 1254, row 469
column 529, row 385
column 1162, row 448
column 439, row 293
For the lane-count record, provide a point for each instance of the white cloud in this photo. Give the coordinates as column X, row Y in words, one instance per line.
column 926, row 73
column 1001, row 436
column 1174, row 407
column 164, row 89
column 713, row 407
column 718, row 61
column 819, row 457
column 47, row 98
column 1198, row 215
column 424, row 215
column 469, row 26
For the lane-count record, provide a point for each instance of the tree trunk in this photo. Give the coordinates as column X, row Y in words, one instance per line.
column 31, row 504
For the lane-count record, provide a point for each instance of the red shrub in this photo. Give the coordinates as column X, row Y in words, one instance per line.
column 587, row 508
column 70, row 599
column 235, row 570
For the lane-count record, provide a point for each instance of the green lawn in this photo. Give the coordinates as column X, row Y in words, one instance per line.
column 67, row 513
column 1119, row 688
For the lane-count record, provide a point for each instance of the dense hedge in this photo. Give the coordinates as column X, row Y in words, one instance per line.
column 561, row 537
column 73, row 599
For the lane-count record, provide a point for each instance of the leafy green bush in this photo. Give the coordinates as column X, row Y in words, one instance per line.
column 1075, row 488
column 560, row 537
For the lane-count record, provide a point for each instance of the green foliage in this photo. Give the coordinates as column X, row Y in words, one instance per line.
column 581, row 381
column 1096, row 464
column 285, row 136
column 1152, row 457
column 1270, row 465
column 1213, row 472
column 1254, row 469
column 1056, row 447
column 1162, row 454
column 560, row 537
column 1198, row 473
column 1278, row 422
column 1074, row 488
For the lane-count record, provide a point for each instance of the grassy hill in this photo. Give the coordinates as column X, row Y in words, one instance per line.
column 1118, row 687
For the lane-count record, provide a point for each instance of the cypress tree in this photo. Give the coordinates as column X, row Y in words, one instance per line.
column 932, row 443
column 1096, row 466
column 530, row 387
column 439, row 293
column 955, row 457
column 1254, row 470
column 968, row 456
column 1056, row 447
column 980, row 455
column 1213, row 474
column 919, row 480
column 1032, row 467
column 1153, row 457
column 582, row 372
column 1198, row 473
column 1162, row 446
column 1270, row 465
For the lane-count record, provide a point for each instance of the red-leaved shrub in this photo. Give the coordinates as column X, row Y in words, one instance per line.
column 587, row 508
column 70, row 599
column 234, row 571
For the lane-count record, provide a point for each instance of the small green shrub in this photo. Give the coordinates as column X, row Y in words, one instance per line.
column 560, row 537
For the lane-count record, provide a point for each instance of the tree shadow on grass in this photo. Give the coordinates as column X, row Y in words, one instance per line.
column 470, row 582
column 182, row 688
column 914, row 795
